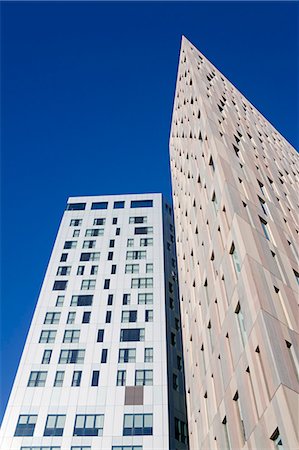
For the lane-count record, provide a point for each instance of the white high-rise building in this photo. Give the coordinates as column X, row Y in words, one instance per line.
column 102, row 366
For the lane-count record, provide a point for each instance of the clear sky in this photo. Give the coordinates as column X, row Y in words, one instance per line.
column 87, row 94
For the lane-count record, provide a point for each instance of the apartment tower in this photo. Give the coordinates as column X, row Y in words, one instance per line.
column 235, row 201
column 102, row 366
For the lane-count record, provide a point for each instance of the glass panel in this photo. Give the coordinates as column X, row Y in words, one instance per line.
column 128, row 421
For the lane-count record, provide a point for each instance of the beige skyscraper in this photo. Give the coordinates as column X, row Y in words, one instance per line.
column 235, row 200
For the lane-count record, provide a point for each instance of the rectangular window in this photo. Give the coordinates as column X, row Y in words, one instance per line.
column 235, row 258
column 71, row 357
column 113, row 269
column 80, row 270
column 117, row 231
column 46, row 357
column 143, row 378
column 114, row 221
column 75, row 222
column 75, row 206
column 133, row 334
column 142, row 283
column 149, row 315
column 37, row 379
column 130, row 242
column 127, row 355
column 52, row 318
column 76, row 233
column 107, row 284
column 59, row 285
column 111, row 243
column 145, row 298
column 81, row 300
column 149, row 268
column 94, row 232
column 70, row 244
column 99, row 205
column 47, row 336
column 240, row 417
column 89, row 244
column 100, row 337
column 126, row 447
column 63, row 270
column 126, row 299
column 143, row 230
column 180, row 430
column 90, row 256
column 71, row 336
column 63, row 257
column 110, row 256
column 118, row 205
column 26, row 424
column 71, row 317
column 59, row 377
column 88, row 285
column 132, row 268
column 276, row 438
column 148, row 354
column 76, row 380
column 59, row 300
column 138, row 219
column 146, row 242
column 241, row 324
column 121, row 378
column 110, row 300
column 141, row 203
column 104, row 355
column 86, row 317
column 89, row 425
column 264, row 225
column 100, row 221
column 140, row 254
column 54, row 425
column 108, row 317
column 175, row 383
column 129, row 316
column 138, row 425
column 95, row 378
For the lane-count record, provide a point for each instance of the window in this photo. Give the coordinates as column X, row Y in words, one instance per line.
column 126, row 447
column 264, row 225
column 89, row 425
column 111, row 243
column 63, row 270
column 138, row 219
column 104, row 355
column 296, row 275
column 63, row 257
column 143, row 230
column 143, row 378
column 107, row 284
column 75, row 222
column 46, row 357
column 180, row 430
column 75, row 206
column 117, row 231
column 130, row 242
column 80, row 270
column 149, row 315
column 71, row 317
column 114, row 221
column 45, row 448
column 88, row 285
column 148, row 354
column 89, row 244
column 241, row 324
column 108, row 317
column 59, row 285
column 59, row 377
column 81, row 447
column 149, row 268
column 121, row 378
column 52, row 318
column 172, row 338
column 26, row 424
column 47, row 336
column 138, row 424
column 76, row 380
column 133, row 334
column 71, row 357
column 263, row 206
column 99, row 205
column 99, row 221
column 261, row 186
column 129, row 316
column 179, row 362
column 142, row 282
column 70, row 244
column 126, row 299
column 235, row 258
column 215, row 203
column 110, row 299
column 94, row 270
column 95, row 378
column 118, row 205
column 113, row 269
column 37, row 379
column 76, row 233
column 100, row 337
column 141, row 203
column 94, row 232
column 127, row 355
column 86, row 317
column 240, row 416
column 175, row 383
column 145, row 299
column 54, row 425
column 276, row 438
column 132, row 268
column 90, row 256
column 59, row 300
column 110, row 256
column 140, row 254
column 146, row 242
column 71, row 336
column 81, row 300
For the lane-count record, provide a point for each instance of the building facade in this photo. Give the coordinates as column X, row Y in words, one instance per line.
column 102, row 366
column 235, row 200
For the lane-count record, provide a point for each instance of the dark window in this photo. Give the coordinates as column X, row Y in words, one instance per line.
column 126, row 299
column 141, row 203
column 119, row 205
column 117, row 231
column 99, row 221
column 70, row 244
column 59, row 285
column 139, row 219
column 110, row 299
column 141, row 230
column 86, row 317
column 63, row 257
column 106, row 284
column 108, row 316
column 75, row 206
column 99, row 205
column 133, row 334
column 114, row 221
column 110, row 256
column 85, row 257
column 81, row 300
column 104, row 355
column 113, row 269
column 100, row 337
column 95, row 378
column 111, row 243
column 26, row 425
column 180, row 430
column 76, row 380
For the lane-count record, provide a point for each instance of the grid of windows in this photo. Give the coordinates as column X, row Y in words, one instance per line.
column 71, row 357
column 26, row 425
column 52, row 318
column 71, row 336
column 143, row 378
column 142, row 283
column 145, row 298
column 127, row 355
column 54, row 425
column 47, row 336
column 89, row 425
column 138, row 425
column 37, row 379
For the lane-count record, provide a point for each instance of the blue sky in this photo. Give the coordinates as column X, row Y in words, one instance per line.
column 87, row 94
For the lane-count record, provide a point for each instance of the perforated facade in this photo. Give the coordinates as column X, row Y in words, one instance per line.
column 235, row 193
